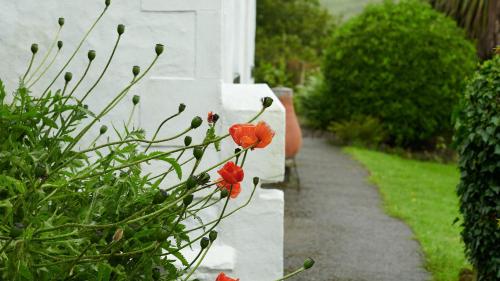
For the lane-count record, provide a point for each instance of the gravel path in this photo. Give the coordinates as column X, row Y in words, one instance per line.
column 335, row 216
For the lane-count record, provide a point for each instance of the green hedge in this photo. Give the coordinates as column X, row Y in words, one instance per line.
column 478, row 136
column 401, row 63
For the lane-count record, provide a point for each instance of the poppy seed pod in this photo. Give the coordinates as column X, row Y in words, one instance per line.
column 188, row 200
column 182, row 107
column 60, row 21
column 159, row 49
column 136, row 99
column 308, row 263
column 267, row 102
column 120, row 29
column 203, row 178
column 196, row 122
column 103, row 129
column 256, row 180
column 187, row 140
column 204, row 242
column 68, row 76
column 136, row 70
column 160, row 197
column 59, row 44
column 34, row 48
column 212, row 235
column 91, row 55
column 191, row 182
column 107, row 2
column 198, row 153
column 224, row 193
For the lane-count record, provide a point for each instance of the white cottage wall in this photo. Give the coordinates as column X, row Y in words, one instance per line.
column 206, row 42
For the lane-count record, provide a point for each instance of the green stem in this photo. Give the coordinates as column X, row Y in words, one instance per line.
column 29, row 66
column 46, row 69
column 54, row 42
column 198, row 263
column 159, row 128
column 292, row 274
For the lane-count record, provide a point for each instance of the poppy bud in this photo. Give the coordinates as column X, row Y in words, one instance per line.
column 182, row 107
column 59, row 44
column 158, row 49
column 198, row 153
column 91, row 55
column 204, row 242
column 187, row 140
column 256, row 180
column 160, row 197
column 212, row 235
column 34, row 48
column 224, row 193
column 203, row 178
column 215, row 117
column 68, row 76
column 107, row 2
column 103, row 129
column 120, row 29
column 196, row 122
column 136, row 99
column 267, row 102
column 188, row 200
column 60, row 21
column 118, row 235
column 308, row 263
column 191, row 182
column 136, row 70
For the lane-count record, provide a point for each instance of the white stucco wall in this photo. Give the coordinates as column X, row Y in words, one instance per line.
column 207, row 43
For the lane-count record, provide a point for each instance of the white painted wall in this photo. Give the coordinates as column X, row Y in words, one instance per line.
column 207, row 43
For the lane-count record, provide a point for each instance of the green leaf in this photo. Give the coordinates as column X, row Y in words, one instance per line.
column 104, row 272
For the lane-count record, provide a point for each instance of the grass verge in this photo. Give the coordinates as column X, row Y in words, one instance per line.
column 423, row 195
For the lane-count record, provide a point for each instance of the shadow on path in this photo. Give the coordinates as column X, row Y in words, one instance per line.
column 335, row 217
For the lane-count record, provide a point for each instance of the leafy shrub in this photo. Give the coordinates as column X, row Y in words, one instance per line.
column 94, row 213
column 401, row 63
column 478, row 139
column 291, row 35
column 307, row 98
column 360, row 130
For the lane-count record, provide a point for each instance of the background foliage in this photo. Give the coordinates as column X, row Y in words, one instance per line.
column 401, row 63
column 478, row 137
column 291, row 36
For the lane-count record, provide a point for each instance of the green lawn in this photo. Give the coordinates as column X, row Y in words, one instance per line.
column 346, row 8
column 423, row 195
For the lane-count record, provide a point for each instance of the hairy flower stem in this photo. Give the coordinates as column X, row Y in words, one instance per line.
column 46, row 69
column 29, row 67
column 159, row 128
column 75, row 52
column 198, row 263
column 44, row 59
column 290, row 275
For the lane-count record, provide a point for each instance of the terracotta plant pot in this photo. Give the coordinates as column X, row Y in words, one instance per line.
column 293, row 137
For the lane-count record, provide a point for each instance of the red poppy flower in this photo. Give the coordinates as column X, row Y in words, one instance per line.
column 234, row 189
column 223, row 277
column 249, row 135
column 231, row 173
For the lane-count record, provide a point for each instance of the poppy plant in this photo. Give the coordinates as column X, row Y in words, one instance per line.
column 249, row 135
column 223, row 277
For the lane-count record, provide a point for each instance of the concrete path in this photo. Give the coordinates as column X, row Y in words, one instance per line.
column 335, row 216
